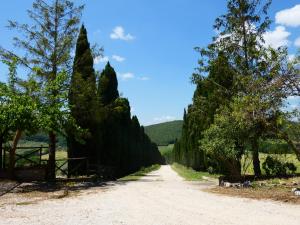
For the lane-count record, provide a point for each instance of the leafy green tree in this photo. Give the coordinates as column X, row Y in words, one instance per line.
column 47, row 45
column 241, row 32
column 224, row 142
column 241, row 38
column 212, row 92
column 237, row 67
column 19, row 113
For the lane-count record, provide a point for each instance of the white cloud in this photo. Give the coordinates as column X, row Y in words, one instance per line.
column 126, row 76
column 144, row 78
column 118, row 58
column 289, row 17
column 291, row 57
column 163, row 119
column 222, row 37
column 297, row 42
column 101, row 59
column 277, row 38
column 119, row 33
column 131, row 76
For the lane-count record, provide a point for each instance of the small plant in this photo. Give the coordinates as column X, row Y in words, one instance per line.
column 210, row 170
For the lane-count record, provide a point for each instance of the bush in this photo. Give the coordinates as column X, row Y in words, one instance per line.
column 210, row 170
column 291, row 167
column 275, row 167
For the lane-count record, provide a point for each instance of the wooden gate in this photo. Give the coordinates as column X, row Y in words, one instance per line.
column 29, row 164
column 61, row 165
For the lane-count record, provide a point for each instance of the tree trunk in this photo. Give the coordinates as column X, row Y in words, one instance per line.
column 232, row 169
column 255, row 156
column 12, row 153
column 1, row 152
column 52, row 135
column 285, row 137
column 51, row 162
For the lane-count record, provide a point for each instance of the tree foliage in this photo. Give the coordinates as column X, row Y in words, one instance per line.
column 116, row 144
column 47, row 45
column 237, row 73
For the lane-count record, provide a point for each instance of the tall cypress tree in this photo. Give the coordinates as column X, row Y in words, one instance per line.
column 124, row 145
column 211, row 92
column 82, row 100
column 83, row 82
column 108, row 85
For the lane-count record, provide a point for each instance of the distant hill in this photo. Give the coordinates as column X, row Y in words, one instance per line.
column 164, row 133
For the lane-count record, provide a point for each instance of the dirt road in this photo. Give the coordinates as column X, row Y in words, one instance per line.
column 161, row 198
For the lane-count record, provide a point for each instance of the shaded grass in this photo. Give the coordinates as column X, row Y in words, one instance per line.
column 167, row 153
column 59, row 155
column 191, row 175
column 25, row 203
column 165, row 149
column 139, row 174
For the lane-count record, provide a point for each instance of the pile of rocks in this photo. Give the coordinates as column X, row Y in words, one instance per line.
column 296, row 191
column 245, row 184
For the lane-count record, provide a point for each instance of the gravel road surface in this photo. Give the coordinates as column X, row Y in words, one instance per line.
column 160, row 198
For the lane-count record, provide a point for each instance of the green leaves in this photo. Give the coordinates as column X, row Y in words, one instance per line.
column 53, row 108
column 18, row 109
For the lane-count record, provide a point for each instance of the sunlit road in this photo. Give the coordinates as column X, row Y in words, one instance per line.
column 160, row 198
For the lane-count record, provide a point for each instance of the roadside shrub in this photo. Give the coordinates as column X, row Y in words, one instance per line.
column 275, row 167
column 210, row 170
column 291, row 167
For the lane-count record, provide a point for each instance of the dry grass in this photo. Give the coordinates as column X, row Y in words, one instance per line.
column 274, row 189
column 32, row 193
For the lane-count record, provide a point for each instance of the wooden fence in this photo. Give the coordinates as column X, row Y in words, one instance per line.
column 29, row 161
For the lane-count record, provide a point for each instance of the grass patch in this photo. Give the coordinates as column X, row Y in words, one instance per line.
column 165, row 149
column 167, row 153
column 25, row 203
column 59, row 155
column 247, row 165
column 191, row 175
column 142, row 172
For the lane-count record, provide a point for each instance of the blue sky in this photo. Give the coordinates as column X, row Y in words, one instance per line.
column 151, row 45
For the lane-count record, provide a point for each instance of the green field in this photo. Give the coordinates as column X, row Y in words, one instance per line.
column 190, row 174
column 166, row 152
column 247, row 167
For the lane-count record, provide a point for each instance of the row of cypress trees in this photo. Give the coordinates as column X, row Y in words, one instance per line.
column 112, row 140
column 211, row 93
